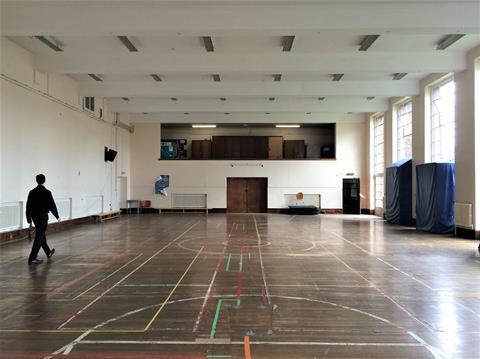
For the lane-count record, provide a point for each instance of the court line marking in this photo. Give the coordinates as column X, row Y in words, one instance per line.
column 210, row 286
column 398, row 305
column 434, row 351
column 261, row 261
column 385, row 262
column 100, row 281
column 147, row 327
column 100, row 296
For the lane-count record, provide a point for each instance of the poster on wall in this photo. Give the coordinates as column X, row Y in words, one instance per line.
column 161, row 184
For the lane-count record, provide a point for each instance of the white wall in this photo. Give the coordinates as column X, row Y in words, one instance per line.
column 284, row 177
column 45, row 130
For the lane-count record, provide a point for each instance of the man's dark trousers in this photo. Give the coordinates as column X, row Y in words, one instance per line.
column 40, row 238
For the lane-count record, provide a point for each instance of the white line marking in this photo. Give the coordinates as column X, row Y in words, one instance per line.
column 125, row 277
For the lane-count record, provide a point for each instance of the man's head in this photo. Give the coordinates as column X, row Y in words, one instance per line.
column 40, row 179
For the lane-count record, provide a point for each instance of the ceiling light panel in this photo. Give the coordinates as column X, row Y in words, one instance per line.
column 367, row 42
column 51, row 42
column 337, row 77
column 287, row 43
column 96, row 77
column 127, row 43
column 208, row 43
column 448, row 40
column 399, row 75
column 277, row 77
column 216, row 77
column 156, row 77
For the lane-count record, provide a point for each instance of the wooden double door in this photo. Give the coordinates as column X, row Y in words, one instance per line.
column 247, row 195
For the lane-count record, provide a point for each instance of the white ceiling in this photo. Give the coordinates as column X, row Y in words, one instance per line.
column 247, row 36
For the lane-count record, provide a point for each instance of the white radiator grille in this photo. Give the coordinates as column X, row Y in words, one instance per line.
column 94, row 205
column 64, row 207
column 10, row 216
column 464, row 215
column 180, row 200
column 308, row 199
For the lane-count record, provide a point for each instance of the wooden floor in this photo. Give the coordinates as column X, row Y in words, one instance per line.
column 242, row 286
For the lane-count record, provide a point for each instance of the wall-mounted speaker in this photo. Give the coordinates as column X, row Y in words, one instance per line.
column 109, row 155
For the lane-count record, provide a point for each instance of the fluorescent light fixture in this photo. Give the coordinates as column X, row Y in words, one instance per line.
column 287, row 126
column 186, row 113
column 216, row 77
column 337, row 77
column 448, row 40
column 208, row 43
column 52, row 43
column 287, row 43
column 95, row 77
column 156, row 77
column 173, row 98
column 370, row 98
column 399, row 75
column 223, row 99
column 321, row 98
column 127, row 43
column 226, row 113
column 271, row 98
column 125, row 99
column 204, row 126
column 367, row 42
column 277, row 77
column 308, row 113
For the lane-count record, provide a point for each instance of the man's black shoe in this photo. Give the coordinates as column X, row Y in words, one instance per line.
column 52, row 252
column 36, row 261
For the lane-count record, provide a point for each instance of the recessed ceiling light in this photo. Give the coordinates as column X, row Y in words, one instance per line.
column 399, row 75
column 287, row 126
column 287, row 43
column 125, row 99
column 156, row 77
column 95, row 77
column 223, row 99
column 51, row 42
column 271, row 98
column 216, row 77
column 208, row 43
column 367, row 42
column 127, row 43
column 308, row 113
column 186, row 113
column 337, row 77
column 226, row 113
column 448, row 41
column 267, row 113
column 145, row 113
column 173, row 98
column 370, row 98
column 204, row 126
column 277, row 77
column 321, row 98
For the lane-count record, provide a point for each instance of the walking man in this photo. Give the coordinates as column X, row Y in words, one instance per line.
column 39, row 203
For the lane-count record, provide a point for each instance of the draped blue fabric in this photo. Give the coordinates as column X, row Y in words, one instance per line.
column 398, row 181
column 435, row 197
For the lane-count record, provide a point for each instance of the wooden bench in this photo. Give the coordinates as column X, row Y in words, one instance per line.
column 105, row 216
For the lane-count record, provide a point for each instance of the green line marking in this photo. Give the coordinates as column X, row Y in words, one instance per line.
column 228, row 262
column 215, row 320
column 241, row 263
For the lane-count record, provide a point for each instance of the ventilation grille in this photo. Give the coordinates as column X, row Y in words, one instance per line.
column 64, row 207
column 308, row 200
column 93, row 205
column 10, row 216
column 464, row 215
column 189, row 200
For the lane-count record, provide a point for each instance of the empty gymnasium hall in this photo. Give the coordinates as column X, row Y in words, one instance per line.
column 239, row 179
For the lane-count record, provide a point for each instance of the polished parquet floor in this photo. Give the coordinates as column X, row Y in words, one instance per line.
column 242, row 286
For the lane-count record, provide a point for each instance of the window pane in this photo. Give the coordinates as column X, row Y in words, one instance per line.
column 443, row 122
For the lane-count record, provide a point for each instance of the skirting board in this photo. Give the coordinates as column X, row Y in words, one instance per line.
column 467, row 233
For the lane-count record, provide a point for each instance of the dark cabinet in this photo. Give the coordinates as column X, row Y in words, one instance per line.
column 275, row 147
column 201, row 149
column 240, row 147
column 294, row 149
column 351, row 195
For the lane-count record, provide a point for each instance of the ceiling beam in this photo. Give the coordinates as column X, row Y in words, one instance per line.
column 315, row 89
column 334, row 104
column 284, row 62
column 29, row 18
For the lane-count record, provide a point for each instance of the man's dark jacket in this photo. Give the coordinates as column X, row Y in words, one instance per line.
column 39, row 203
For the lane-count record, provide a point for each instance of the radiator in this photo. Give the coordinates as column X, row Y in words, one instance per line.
column 180, row 200
column 308, row 199
column 10, row 216
column 463, row 215
column 64, row 207
column 93, row 205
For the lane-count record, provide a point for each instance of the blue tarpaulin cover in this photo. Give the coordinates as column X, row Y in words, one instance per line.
column 398, row 206
column 435, row 197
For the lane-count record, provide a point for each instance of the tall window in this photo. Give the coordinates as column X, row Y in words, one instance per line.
column 443, row 122
column 378, row 160
column 404, row 130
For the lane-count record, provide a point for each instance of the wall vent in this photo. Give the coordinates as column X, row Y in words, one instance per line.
column 181, row 200
column 463, row 215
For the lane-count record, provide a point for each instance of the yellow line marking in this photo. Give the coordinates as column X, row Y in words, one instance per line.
column 100, row 281
column 173, row 290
